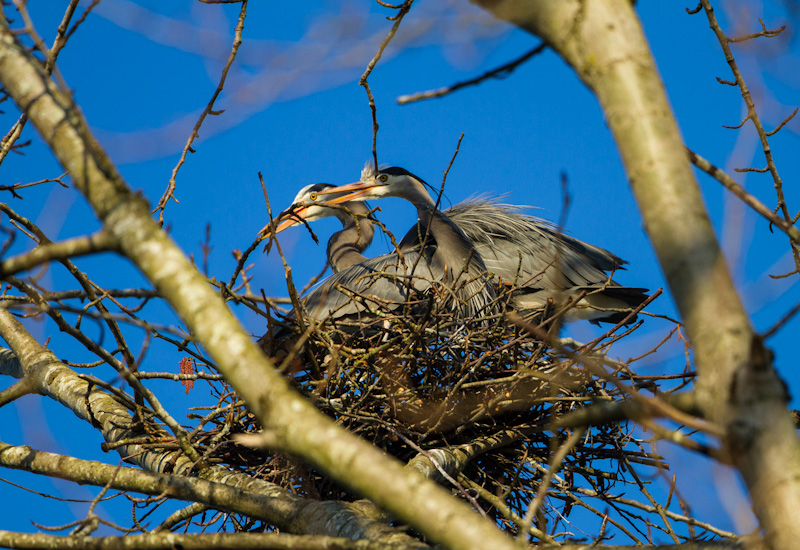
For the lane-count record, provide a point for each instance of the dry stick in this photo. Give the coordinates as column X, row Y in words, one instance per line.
column 81, row 19
column 752, row 115
column 423, row 239
column 179, row 516
column 500, row 72
column 363, row 80
column 555, row 464
column 656, row 405
column 647, row 508
column 746, row 197
column 635, row 311
column 620, row 411
column 680, row 438
column 241, row 260
column 97, row 303
column 604, row 515
column 61, row 295
column 300, row 313
column 504, row 509
column 668, row 527
column 557, row 318
column 209, row 110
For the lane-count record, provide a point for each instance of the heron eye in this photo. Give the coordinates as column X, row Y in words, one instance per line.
column 383, row 178
column 313, row 196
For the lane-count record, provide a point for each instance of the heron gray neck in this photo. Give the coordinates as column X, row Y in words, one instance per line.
column 453, row 247
column 345, row 247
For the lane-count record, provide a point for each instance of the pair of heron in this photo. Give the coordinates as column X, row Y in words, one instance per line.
column 467, row 250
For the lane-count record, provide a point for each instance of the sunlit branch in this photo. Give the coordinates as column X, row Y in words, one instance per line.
column 102, row 241
column 170, row 541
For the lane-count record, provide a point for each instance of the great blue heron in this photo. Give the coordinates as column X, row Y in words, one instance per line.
column 385, row 281
column 345, row 247
column 548, row 268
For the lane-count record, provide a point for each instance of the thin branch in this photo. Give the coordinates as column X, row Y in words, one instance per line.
column 620, row 411
column 780, row 323
column 764, row 32
column 746, row 197
column 752, row 114
column 14, row 188
column 374, row 61
column 500, row 72
column 553, row 467
column 783, row 122
column 209, row 110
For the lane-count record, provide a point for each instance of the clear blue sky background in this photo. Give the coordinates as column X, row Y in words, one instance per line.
column 142, row 72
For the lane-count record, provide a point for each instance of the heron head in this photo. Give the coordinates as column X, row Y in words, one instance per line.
column 309, row 205
column 391, row 181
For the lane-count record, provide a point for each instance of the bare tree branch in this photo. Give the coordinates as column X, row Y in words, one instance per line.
column 79, row 246
column 731, row 185
column 752, row 114
column 170, row 541
column 209, row 110
column 500, row 72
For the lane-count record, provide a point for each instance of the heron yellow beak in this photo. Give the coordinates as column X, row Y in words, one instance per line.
column 350, row 192
column 293, row 216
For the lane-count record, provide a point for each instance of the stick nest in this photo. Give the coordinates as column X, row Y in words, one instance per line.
column 487, row 387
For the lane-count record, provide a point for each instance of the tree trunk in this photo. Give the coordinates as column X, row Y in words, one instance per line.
column 737, row 387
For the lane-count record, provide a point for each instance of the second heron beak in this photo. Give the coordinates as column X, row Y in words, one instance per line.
column 357, row 191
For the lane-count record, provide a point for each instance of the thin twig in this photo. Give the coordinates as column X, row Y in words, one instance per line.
column 500, row 72
column 398, row 18
column 209, row 110
column 746, row 197
column 752, row 114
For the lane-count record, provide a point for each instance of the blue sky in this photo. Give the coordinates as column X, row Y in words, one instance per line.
column 142, row 72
